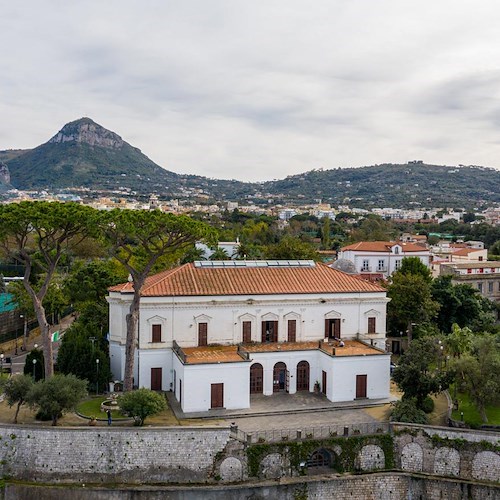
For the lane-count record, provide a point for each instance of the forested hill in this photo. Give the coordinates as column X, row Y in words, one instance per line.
column 395, row 185
column 85, row 154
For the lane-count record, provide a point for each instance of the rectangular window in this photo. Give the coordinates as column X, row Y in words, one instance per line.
column 381, row 265
column 292, row 330
column 480, row 258
column 397, row 265
column 156, row 333
column 366, row 265
column 490, row 287
column 469, row 271
column 372, row 325
column 202, row 334
column 480, row 287
column 247, row 332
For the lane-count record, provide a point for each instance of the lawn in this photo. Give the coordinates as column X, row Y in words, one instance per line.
column 471, row 414
column 92, row 407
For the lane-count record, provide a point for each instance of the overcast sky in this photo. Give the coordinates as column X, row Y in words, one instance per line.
column 257, row 90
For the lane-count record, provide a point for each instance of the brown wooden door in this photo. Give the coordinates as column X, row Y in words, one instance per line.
column 361, row 382
column 247, row 332
column 156, row 377
column 292, row 330
column 323, row 382
column 332, row 328
column 217, row 396
column 256, row 379
column 303, row 376
column 202, row 334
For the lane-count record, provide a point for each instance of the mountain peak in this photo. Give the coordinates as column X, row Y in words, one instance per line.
column 85, row 130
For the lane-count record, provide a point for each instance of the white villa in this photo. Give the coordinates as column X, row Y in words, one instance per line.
column 216, row 332
column 379, row 259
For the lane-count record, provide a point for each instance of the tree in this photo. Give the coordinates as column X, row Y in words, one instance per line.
column 142, row 403
column 417, row 374
column 140, row 240
column 291, row 248
column 469, row 217
column 462, row 305
column 411, row 302
column 57, row 395
column 2, row 284
column 81, row 346
column 89, row 281
column 459, row 341
column 35, row 364
column 413, row 265
column 16, row 390
column 37, row 234
column 219, row 254
column 406, row 410
column 479, row 371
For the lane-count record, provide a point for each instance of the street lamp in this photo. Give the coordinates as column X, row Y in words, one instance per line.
column 97, row 379
column 34, row 366
column 25, row 334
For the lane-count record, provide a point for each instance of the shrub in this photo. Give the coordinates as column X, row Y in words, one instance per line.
column 141, row 404
column 428, row 405
column 406, row 410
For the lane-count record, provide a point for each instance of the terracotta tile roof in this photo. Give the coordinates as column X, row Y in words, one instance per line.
column 382, row 246
column 467, row 251
column 188, row 280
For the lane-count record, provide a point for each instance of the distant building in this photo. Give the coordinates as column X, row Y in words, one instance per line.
column 484, row 276
column 381, row 258
column 230, row 247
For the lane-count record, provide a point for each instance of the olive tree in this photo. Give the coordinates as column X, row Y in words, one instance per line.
column 57, row 395
column 16, row 390
column 141, row 404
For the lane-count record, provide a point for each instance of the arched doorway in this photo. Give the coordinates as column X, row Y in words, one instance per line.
column 256, row 379
column 303, row 376
column 320, row 458
column 279, row 377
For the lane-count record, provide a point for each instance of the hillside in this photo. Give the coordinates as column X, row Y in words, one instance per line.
column 85, row 154
column 395, row 185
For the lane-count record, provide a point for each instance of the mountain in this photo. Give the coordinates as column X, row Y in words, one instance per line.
column 395, row 185
column 85, row 154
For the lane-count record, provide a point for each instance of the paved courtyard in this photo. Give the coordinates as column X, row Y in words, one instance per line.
column 288, row 411
column 301, row 420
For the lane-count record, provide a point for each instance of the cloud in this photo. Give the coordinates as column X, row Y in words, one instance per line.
column 258, row 90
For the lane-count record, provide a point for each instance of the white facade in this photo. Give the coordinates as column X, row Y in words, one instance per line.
column 360, row 317
column 385, row 261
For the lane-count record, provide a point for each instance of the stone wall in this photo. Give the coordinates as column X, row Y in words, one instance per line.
column 440, row 451
column 389, row 486
column 208, row 454
column 180, row 454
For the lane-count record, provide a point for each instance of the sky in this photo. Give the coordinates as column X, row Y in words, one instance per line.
column 258, row 90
